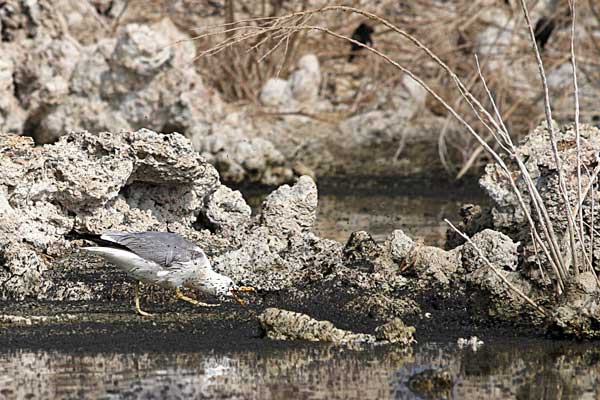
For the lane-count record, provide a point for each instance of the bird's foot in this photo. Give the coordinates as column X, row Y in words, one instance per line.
column 142, row 312
column 246, row 289
column 136, row 300
column 201, row 304
column 181, row 296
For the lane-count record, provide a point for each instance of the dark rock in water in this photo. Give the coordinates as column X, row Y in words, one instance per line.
column 361, row 252
column 578, row 313
column 432, row 384
column 474, row 219
column 395, row 332
column 287, row 325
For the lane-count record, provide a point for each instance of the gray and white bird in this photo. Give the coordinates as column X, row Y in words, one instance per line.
column 167, row 260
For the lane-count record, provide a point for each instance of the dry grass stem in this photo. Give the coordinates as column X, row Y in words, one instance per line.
column 571, row 224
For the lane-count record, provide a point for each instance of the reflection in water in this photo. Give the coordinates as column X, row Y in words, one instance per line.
column 419, row 217
column 416, row 207
column 539, row 370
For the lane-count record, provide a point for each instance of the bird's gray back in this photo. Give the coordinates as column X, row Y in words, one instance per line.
column 164, row 248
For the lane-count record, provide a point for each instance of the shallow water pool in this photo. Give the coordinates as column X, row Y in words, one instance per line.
column 380, row 205
column 518, row 370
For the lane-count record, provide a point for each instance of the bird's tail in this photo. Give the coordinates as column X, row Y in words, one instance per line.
column 106, row 252
column 94, row 249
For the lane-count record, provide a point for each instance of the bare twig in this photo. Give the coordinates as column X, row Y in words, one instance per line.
column 577, row 134
column 548, row 111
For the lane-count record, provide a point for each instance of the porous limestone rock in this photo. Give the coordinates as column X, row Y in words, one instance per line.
column 361, row 252
column 141, row 50
column 291, row 209
column 270, row 261
column 275, row 92
column 22, row 20
column 77, row 113
column 400, row 246
column 22, row 271
column 474, row 219
column 89, row 183
column 287, row 325
column 578, row 313
column 82, row 20
column 498, row 248
column 92, row 70
column 504, row 303
column 304, row 82
column 240, row 158
column 12, row 115
column 143, row 180
column 302, row 87
column 382, row 306
column 535, row 150
column 408, row 98
column 433, row 265
column 226, row 210
column 395, row 331
column 372, row 128
column 67, row 67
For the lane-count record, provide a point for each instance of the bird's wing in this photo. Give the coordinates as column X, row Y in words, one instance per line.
column 166, row 249
column 126, row 260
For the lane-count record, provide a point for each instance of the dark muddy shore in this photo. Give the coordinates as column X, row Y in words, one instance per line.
column 101, row 326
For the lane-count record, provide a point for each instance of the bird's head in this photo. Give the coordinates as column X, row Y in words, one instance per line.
column 223, row 286
column 219, row 285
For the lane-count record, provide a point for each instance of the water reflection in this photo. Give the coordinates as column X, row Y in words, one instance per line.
column 510, row 371
column 416, row 206
column 420, row 217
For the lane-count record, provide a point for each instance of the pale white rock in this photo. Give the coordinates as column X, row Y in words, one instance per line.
column 12, row 115
column 408, row 97
column 142, row 50
column 305, row 82
column 291, row 209
column 275, row 92
column 498, row 248
column 226, row 210
column 78, row 113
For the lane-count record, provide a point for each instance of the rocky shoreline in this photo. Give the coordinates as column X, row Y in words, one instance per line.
column 51, row 196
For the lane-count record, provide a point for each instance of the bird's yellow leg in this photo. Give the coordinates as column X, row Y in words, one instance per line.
column 136, row 298
column 183, row 297
column 246, row 289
